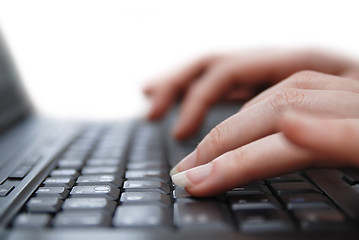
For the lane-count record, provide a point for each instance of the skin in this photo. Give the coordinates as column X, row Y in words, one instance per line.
column 283, row 129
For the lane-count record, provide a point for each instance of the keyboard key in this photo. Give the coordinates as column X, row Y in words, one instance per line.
column 320, row 219
column 146, row 197
column 255, row 188
column 293, row 187
column 96, row 191
column 5, row 190
column 108, row 153
column 82, row 219
column 148, row 165
column 111, row 180
column 141, row 216
column 201, row 215
column 31, row 220
column 98, row 170
column 89, row 204
column 21, row 171
column 292, row 177
column 70, row 163
column 140, row 186
column 63, row 172
column 58, row 192
column 351, row 176
column 305, row 200
column 66, row 182
column 331, row 182
column 147, row 175
column 44, row 204
column 103, row 162
column 253, row 202
column 179, row 193
column 263, row 220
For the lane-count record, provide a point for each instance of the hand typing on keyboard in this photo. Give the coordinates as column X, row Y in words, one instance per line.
column 305, row 119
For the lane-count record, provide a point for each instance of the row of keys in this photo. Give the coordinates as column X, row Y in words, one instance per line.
column 96, row 191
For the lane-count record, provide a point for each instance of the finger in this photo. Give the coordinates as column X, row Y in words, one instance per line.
column 215, row 83
column 351, row 73
column 262, row 119
column 268, row 157
column 239, row 93
column 161, row 101
column 202, row 94
column 337, row 139
column 164, row 92
column 309, row 80
column 249, row 70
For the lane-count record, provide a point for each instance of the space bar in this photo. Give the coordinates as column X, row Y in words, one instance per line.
column 344, row 195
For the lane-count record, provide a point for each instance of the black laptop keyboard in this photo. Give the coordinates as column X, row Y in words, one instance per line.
column 118, row 178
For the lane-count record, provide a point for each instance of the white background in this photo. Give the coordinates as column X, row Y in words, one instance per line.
column 89, row 59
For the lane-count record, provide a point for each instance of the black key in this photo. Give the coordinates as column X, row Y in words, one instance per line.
column 140, row 186
column 31, row 220
column 351, row 176
column 146, row 197
column 305, row 200
column 201, row 215
column 292, row 177
column 21, row 171
column 105, row 191
column 66, row 182
column 100, row 170
column 64, row 172
column 70, row 163
column 330, row 181
column 144, row 157
column 89, row 204
column 75, row 154
column 103, row 162
column 153, row 165
column 6, row 189
column 179, row 193
column 58, row 192
column 82, row 219
column 147, row 175
column 263, row 220
column 293, row 187
column 44, row 204
column 255, row 188
column 111, row 180
column 111, row 153
column 320, row 219
column 253, row 202
column 142, row 216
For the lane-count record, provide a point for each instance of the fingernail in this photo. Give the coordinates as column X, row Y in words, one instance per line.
column 192, row 176
column 186, row 163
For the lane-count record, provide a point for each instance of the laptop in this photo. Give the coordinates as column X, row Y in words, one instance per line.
column 110, row 180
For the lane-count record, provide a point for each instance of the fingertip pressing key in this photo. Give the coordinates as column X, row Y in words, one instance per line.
column 186, row 163
column 192, row 176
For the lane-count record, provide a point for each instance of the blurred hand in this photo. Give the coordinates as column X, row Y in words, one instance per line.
column 309, row 119
column 233, row 76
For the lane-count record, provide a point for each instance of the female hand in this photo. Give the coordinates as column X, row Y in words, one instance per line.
column 265, row 140
column 233, row 76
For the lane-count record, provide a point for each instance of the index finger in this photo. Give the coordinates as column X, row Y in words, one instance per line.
column 165, row 91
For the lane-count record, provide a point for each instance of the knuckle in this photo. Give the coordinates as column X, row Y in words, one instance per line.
column 238, row 156
column 214, row 141
column 286, row 97
column 303, row 79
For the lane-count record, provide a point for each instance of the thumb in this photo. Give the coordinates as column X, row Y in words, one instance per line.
column 335, row 139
